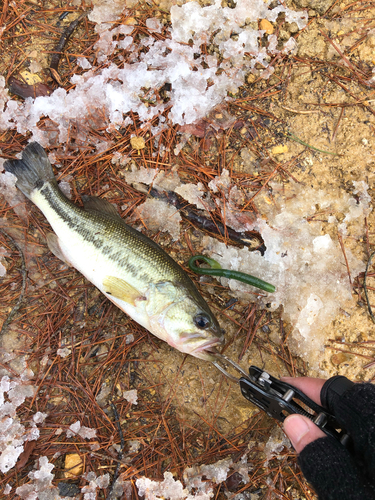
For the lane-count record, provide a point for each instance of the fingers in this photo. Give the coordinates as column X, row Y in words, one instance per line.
column 301, row 431
column 310, row 386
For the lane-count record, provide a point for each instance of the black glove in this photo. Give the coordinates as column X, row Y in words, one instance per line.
column 335, row 472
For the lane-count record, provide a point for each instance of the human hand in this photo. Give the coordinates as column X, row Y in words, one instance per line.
column 335, row 472
column 299, row 429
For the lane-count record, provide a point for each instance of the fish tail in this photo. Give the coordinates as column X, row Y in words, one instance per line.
column 33, row 170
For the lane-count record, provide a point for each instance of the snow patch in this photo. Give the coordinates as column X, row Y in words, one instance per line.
column 198, row 483
column 77, row 429
column 307, row 268
column 13, row 434
column 131, row 396
column 103, row 97
column 159, row 216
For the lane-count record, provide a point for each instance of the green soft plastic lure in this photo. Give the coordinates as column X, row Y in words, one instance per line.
column 215, row 269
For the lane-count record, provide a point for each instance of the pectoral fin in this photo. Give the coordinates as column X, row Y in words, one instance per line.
column 122, row 290
column 54, row 246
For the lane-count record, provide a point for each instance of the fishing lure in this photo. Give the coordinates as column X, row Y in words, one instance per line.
column 215, row 269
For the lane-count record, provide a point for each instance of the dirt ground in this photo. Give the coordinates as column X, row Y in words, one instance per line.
column 187, row 412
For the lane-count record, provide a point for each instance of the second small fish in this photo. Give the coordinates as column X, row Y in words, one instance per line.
column 129, row 268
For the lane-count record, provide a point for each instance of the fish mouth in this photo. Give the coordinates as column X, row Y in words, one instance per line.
column 207, row 351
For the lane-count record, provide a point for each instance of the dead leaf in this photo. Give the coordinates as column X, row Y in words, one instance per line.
column 25, row 455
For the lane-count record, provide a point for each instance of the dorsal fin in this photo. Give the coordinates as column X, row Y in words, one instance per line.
column 100, row 205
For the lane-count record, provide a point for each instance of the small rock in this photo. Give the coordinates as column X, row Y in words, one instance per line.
column 293, row 28
column 251, row 78
column 319, row 6
column 73, row 465
column 339, row 358
column 68, row 489
column 130, row 21
column 266, row 26
column 278, row 150
column 137, row 143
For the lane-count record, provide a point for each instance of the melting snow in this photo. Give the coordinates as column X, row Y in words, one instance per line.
column 199, row 81
column 13, row 434
column 307, row 268
column 77, row 430
column 131, row 396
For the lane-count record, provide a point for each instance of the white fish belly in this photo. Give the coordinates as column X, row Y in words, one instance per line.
column 88, row 261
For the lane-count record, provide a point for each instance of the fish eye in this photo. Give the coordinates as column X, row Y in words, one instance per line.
column 202, row 320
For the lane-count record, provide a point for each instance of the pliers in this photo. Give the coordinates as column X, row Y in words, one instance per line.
column 279, row 399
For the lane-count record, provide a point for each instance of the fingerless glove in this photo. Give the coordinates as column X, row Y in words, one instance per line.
column 335, row 472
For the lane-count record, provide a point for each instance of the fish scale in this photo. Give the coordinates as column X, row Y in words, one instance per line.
column 98, row 230
column 128, row 267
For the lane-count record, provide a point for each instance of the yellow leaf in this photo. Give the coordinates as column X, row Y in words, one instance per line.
column 73, row 465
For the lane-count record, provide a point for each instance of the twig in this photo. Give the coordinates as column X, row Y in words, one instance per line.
column 250, row 239
column 300, row 111
column 343, row 56
column 369, row 365
column 365, row 288
column 346, row 260
column 249, row 339
column 367, row 238
column 337, row 125
column 15, row 309
column 348, row 352
column 121, row 452
column 55, row 59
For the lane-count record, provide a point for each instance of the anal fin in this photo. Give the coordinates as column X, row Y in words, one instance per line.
column 122, row 290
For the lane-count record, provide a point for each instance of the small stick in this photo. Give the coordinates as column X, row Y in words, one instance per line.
column 249, row 339
column 367, row 238
column 348, row 352
column 346, row 260
column 55, row 59
column 121, row 452
column 365, row 288
column 300, row 112
column 198, row 219
column 337, row 125
column 343, row 56
column 370, row 365
column 24, row 275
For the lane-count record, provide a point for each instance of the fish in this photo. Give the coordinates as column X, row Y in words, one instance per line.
column 129, row 268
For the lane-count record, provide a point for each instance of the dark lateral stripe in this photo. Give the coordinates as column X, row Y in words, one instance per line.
column 82, row 222
column 130, row 251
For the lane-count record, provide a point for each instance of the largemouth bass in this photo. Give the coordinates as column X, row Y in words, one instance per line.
column 127, row 266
